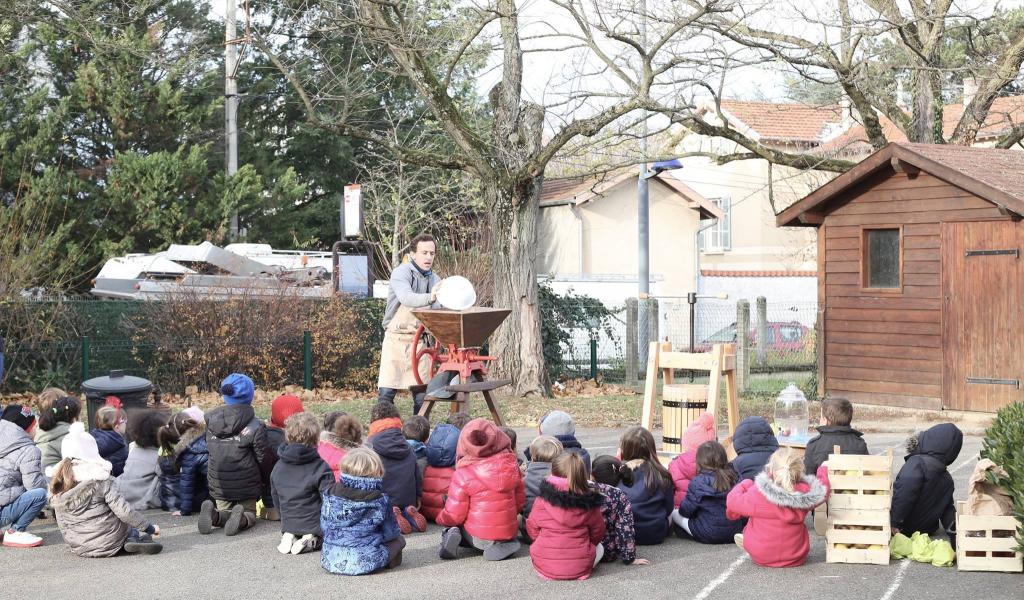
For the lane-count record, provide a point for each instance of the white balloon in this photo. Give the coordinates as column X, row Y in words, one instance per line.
column 456, row 293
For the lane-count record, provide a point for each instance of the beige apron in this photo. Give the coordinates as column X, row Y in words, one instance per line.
column 396, row 353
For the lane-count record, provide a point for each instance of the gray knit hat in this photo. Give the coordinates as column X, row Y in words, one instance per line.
column 557, row 423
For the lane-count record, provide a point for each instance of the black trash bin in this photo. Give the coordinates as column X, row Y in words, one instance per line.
column 133, row 392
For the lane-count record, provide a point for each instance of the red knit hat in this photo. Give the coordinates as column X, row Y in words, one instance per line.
column 283, row 407
column 700, row 431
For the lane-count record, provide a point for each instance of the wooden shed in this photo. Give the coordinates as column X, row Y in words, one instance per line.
column 920, row 277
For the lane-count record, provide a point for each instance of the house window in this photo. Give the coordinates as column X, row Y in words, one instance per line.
column 719, row 235
column 882, row 258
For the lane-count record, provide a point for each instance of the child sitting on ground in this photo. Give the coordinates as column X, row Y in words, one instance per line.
column 513, row 438
column 281, row 408
column 341, row 434
column 57, row 411
column 184, row 462
column 440, row 467
column 485, row 496
column 403, row 482
column 22, row 487
column 416, row 430
column 560, row 425
column 139, row 483
column 360, row 530
column 649, row 486
column 240, row 459
column 111, row 422
column 566, row 522
column 835, row 430
column 922, row 495
column 543, row 451
column 298, row 479
column 777, row 502
column 754, row 443
column 701, row 515
column 459, row 419
column 93, row 517
column 683, row 467
column 619, row 541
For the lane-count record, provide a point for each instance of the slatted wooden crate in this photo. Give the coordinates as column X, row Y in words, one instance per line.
column 682, row 404
column 858, row 529
column 986, row 543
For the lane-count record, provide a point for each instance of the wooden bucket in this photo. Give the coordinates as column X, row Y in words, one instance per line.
column 681, row 405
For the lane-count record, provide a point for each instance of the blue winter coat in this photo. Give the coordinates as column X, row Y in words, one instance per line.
column 704, row 506
column 192, row 459
column 754, row 443
column 357, row 522
column 169, row 478
column 112, row 447
column 650, row 508
column 442, row 445
column 403, row 481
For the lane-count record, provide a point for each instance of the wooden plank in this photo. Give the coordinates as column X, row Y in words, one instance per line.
column 821, row 327
column 925, row 279
column 650, row 387
column 920, row 241
column 896, row 316
column 845, row 243
column 854, row 231
column 887, row 339
column 914, row 202
column 842, row 255
column 901, row 400
column 975, row 214
column 934, row 267
column 848, row 266
column 873, row 302
column 889, row 375
column 886, row 387
column 921, row 254
column 879, row 351
column 478, row 386
column 909, row 291
column 884, row 327
column 899, row 181
column 921, row 229
column 874, row 362
column 839, row 278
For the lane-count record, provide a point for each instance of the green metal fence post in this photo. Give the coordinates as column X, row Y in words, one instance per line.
column 593, row 358
column 307, row 360
column 85, row 358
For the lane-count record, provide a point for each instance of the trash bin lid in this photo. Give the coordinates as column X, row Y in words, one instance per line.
column 117, row 382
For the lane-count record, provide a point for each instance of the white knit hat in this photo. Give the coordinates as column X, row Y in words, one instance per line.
column 80, row 445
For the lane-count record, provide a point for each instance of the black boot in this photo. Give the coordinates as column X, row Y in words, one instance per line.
column 208, row 517
column 239, row 520
column 143, row 544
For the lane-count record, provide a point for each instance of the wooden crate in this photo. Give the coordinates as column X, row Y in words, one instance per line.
column 875, row 532
column 860, row 482
column 986, row 543
column 682, row 404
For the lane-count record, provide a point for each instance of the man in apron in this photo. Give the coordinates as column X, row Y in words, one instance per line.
column 413, row 285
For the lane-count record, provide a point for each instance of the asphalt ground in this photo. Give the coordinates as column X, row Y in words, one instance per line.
column 194, row 566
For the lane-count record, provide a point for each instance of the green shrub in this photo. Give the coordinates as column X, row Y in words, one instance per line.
column 1004, row 445
column 560, row 316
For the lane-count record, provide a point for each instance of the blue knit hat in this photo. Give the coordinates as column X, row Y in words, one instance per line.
column 237, row 389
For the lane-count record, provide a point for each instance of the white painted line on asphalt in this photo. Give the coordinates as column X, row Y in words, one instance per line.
column 717, row 581
column 895, row 585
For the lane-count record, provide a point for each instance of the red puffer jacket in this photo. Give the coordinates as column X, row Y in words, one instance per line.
column 775, row 535
column 486, row 492
column 565, row 529
column 683, row 468
column 435, row 487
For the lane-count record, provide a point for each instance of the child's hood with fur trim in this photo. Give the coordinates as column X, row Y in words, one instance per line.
column 778, row 496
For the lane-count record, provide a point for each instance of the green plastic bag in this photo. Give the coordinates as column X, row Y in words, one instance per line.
column 943, row 554
column 922, row 547
column 900, row 546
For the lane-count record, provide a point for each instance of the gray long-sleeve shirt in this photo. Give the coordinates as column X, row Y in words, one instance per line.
column 408, row 288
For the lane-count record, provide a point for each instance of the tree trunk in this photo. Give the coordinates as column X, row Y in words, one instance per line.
column 517, row 343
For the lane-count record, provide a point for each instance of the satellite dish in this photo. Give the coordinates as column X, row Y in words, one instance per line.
column 456, row 293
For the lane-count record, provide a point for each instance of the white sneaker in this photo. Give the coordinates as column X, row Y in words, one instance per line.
column 286, row 543
column 306, row 543
column 21, row 539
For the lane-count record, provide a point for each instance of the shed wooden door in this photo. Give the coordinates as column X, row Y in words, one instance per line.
column 983, row 330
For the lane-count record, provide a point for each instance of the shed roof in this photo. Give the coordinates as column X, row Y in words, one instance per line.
column 991, row 174
column 580, row 190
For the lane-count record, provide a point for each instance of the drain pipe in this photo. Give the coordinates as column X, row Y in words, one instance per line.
column 696, row 252
column 579, row 228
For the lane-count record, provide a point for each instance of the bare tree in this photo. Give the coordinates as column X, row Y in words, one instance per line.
column 619, row 58
column 879, row 53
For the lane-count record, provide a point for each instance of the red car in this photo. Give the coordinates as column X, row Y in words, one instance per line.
column 781, row 337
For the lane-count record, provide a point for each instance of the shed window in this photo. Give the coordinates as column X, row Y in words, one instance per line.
column 882, row 264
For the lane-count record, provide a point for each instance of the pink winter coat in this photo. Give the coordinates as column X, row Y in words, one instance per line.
column 332, row 455
column 436, row 481
column 566, row 528
column 775, row 535
column 683, row 468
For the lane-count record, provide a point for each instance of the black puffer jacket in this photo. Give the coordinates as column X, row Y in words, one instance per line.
column 240, row 460
column 754, row 443
column 298, row 479
column 403, row 483
column 849, row 440
column 922, row 497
